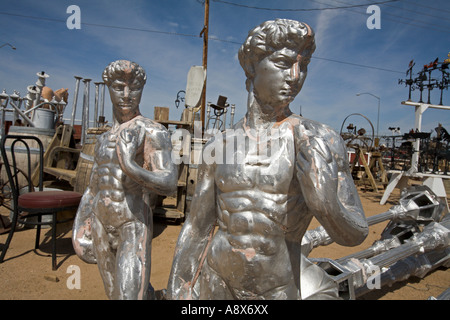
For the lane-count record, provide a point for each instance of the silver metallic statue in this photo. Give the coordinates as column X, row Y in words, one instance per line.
column 113, row 226
column 261, row 203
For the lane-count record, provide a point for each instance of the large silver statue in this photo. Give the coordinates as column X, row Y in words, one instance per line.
column 113, row 226
column 263, row 204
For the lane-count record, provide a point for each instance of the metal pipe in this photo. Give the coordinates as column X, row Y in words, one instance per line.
column 422, row 253
column 224, row 122
column 205, row 33
column 75, row 100
column 377, row 248
column 102, row 104
column 388, row 258
column 85, row 118
column 16, row 110
column 233, row 106
column 417, row 204
column 433, row 236
column 16, row 97
column 96, row 103
column 208, row 116
column 319, row 236
column 101, row 117
column 418, row 266
column 4, row 98
column 381, row 217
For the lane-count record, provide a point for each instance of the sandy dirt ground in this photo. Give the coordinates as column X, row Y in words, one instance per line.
column 26, row 273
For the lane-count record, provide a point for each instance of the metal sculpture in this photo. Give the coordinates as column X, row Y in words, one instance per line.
column 113, row 225
column 218, row 119
column 415, row 242
column 435, row 152
column 263, row 204
column 424, row 80
column 361, row 146
column 37, row 116
column 418, row 205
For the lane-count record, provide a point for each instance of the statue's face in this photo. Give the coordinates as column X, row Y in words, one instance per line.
column 125, row 96
column 278, row 78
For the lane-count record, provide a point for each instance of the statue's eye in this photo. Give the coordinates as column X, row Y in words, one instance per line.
column 282, row 63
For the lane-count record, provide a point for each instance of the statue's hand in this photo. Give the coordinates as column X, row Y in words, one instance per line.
column 127, row 144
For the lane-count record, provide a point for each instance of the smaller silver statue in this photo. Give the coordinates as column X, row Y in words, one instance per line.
column 264, row 204
column 114, row 223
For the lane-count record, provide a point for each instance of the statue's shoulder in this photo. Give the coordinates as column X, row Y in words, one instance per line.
column 311, row 127
column 149, row 125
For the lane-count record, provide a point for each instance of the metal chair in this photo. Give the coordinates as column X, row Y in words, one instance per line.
column 34, row 203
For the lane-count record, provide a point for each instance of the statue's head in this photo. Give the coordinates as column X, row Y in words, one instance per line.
column 287, row 44
column 125, row 81
column 124, row 69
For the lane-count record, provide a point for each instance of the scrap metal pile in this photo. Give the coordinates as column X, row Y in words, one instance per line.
column 38, row 111
column 415, row 242
column 434, row 154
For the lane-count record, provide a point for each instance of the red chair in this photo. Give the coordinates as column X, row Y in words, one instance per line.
column 35, row 203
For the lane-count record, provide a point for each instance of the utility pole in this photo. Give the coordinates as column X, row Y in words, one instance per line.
column 205, row 60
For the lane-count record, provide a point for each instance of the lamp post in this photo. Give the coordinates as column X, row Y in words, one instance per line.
column 378, row 115
column 8, row 44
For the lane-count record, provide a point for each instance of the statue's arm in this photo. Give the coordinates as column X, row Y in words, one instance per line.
column 328, row 187
column 194, row 237
column 158, row 172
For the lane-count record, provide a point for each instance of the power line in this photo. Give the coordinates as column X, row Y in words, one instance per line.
column 419, row 13
column 297, row 10
column 437, row 9
column 325, row 59
column 102, row 25
column 183, row 35
column 357, row 65
column 422, row 24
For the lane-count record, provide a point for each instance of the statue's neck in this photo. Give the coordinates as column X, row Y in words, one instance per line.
column 264, row 116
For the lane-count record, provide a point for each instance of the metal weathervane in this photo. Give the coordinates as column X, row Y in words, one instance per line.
column 425, row 79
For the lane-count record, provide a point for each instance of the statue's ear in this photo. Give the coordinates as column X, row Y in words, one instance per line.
column 250, row 74
column 249, row 84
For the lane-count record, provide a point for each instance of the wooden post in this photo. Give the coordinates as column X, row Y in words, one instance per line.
column 205, row 60
column 161, row 113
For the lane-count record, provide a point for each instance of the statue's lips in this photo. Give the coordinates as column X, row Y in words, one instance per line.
column 125, row 105
column 288, row 91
